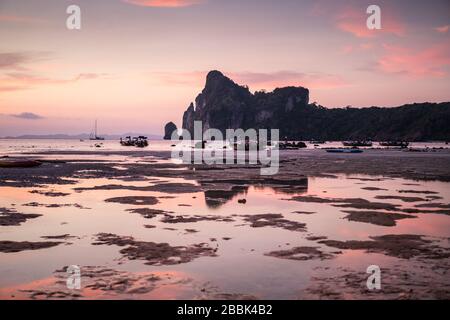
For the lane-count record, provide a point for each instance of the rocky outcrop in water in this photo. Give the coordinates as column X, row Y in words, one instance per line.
column 223, row 104
column 168, row 129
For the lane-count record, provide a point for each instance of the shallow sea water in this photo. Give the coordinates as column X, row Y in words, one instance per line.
column 240, row 267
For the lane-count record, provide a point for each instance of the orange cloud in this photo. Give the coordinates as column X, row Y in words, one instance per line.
column 354, row 21
column 430, row 62
column 443, row 29
column 164, row 3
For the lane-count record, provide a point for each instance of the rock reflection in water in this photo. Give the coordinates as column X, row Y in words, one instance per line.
column 219, row 195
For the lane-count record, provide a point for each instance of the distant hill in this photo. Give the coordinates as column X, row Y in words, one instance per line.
column 84, row 136
column 223, row 104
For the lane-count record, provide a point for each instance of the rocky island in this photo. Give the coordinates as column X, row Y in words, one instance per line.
column 168, row 129
column 224, row 104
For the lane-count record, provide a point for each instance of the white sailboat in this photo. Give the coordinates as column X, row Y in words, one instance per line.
column 93, row 135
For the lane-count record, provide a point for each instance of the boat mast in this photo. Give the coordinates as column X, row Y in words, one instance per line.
column 95, row 129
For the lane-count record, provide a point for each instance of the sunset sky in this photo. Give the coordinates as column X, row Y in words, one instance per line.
column 136, row 64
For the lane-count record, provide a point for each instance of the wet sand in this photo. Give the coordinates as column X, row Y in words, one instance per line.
column 144, row 227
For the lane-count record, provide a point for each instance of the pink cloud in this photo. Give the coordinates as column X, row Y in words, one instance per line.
column 317, row 9
column 90, row 76
column 366, row 46
column 5, row 86
column 347, row 49
column 256, row 80
column 430, row 62
column 164, row 3
column 21, row 81
column 354, row 21
column 443, row 29
column 273, row 80
column 20, row 60
column 14, row 18
column 19, row 71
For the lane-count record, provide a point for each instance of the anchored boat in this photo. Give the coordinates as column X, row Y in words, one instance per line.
column 94, row 135
column 291, row 145
column 140, row 141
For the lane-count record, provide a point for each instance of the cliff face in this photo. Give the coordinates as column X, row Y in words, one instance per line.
column 224, row 104
column 188, row 118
